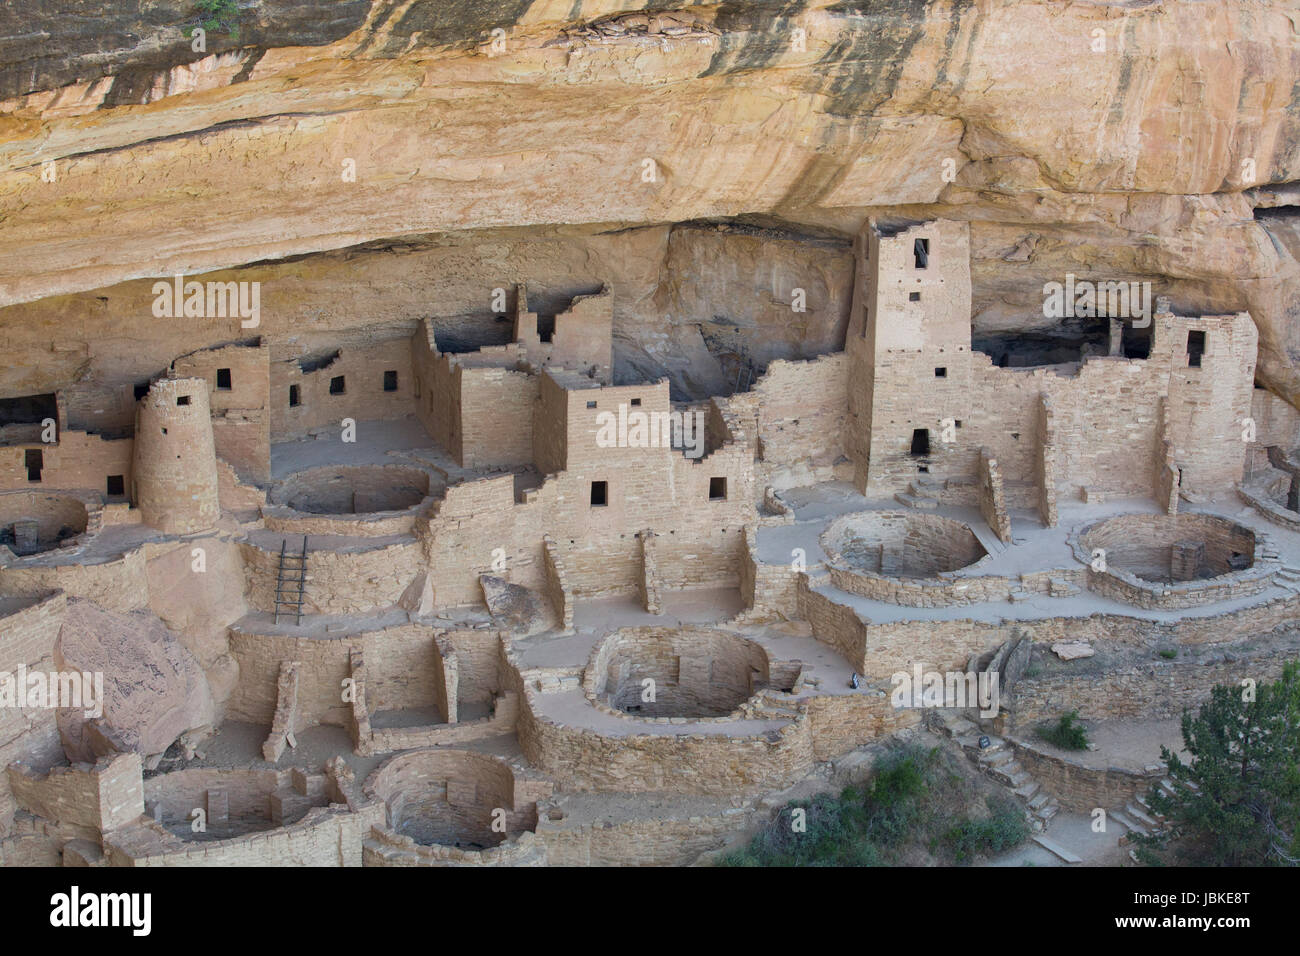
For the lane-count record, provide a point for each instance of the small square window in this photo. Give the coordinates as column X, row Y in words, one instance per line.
column 337, row 385
column 182, row 399
column 223, row 379
column 390, row 381
column 941, row 372
column 636, row 402
column 717, row 489
column 913, row 297
column 591, row 404
column 294, row 396
column 116, row 486
column 599, row 494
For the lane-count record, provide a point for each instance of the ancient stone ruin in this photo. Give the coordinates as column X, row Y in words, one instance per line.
column 548, row 437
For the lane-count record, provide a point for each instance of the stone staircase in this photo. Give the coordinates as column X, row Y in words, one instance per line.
column 922, row 493
column 1288, row 577
column 1138, row 817
column 998, row 760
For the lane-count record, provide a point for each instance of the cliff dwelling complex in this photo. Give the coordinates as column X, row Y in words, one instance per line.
column 454, row 434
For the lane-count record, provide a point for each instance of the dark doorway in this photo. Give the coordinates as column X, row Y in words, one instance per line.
column 920, row 442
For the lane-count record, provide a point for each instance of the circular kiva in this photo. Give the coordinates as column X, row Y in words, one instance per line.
column 1168, row 549
column 33, row 521
column 360, row 489
column 452, row 798
column 664, row 672
column 900, row 544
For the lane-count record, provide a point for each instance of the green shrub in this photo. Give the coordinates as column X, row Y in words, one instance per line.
column 1168, row 654
column 214, row 15
column 907, row 803
column 1003, row 829
column 1066, row 733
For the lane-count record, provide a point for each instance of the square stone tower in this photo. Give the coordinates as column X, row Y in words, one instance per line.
column 910, row 354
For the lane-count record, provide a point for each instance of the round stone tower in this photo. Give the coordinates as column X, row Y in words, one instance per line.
column 175, row 470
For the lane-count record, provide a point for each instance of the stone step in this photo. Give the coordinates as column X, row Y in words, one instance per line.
column 1027, row 791
column 961, row 727
column 972, row 744
column 995, row 758
column 1125, row 822
column 1167, row 786
column 1039, row 801
column 1013, row 778
column 1142, row 817
column 1046, row 813
column 1057, row 850
column 1136, row 828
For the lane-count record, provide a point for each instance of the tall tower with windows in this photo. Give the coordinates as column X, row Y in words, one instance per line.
column 910, row 349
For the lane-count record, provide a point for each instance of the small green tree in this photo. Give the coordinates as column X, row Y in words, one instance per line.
column 1237, row 802
column 217, row 15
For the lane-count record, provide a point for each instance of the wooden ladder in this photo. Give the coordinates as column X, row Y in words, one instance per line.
column 293, row 573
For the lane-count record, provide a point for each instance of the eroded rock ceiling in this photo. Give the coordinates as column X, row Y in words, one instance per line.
column 1141, row 140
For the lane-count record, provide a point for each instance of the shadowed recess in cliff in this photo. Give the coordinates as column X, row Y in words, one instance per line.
column 44, row 46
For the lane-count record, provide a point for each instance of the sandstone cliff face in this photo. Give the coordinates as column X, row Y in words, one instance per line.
column 1115, row 140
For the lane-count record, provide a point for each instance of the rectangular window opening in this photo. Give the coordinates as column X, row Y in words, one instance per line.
column 223, row 379
column 941, row 372
column 34, row 460
column 921, row 253
column 182, row 399
column 913, row 297
column 1195, row 348
column 390, row 381
column 294, row 396
column 636, row 402
column 599, row 494
column 337, row 385
column 545, row 328
column 717, row 489
column 591, row 404
column 116, row 486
